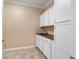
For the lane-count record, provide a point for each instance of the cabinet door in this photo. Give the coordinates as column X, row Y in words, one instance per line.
column 39, row 42
column 63, row 10
column 47, row 48
column 60, row 54
column 51, row 16
column 63, row 35
column 41, row 20
column 46, row 18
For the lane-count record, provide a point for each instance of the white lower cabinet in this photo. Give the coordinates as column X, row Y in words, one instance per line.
column 47, row 47
column 61, row 54
column 39, row 42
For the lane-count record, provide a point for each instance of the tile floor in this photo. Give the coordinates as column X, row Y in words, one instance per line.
column 32, row 53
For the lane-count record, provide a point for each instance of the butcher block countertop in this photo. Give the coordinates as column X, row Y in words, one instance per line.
column 51, row 37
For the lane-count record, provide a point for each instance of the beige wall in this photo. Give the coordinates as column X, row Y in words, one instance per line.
column 20, row 24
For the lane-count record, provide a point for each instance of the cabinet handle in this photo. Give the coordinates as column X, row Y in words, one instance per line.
column 62, row 22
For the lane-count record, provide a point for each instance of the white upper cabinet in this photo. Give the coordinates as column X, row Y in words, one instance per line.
column 46, row 18
column 41, row 20
column 51, row 16
column 63, row 10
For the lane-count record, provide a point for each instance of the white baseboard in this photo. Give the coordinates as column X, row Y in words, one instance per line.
column 19, row 48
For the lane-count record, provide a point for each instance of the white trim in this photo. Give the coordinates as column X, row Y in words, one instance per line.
column 31, row 5
column 10, row 49
column 48, row 3
column 25, row 4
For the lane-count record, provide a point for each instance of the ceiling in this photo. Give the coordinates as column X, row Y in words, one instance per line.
column 33, row 3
